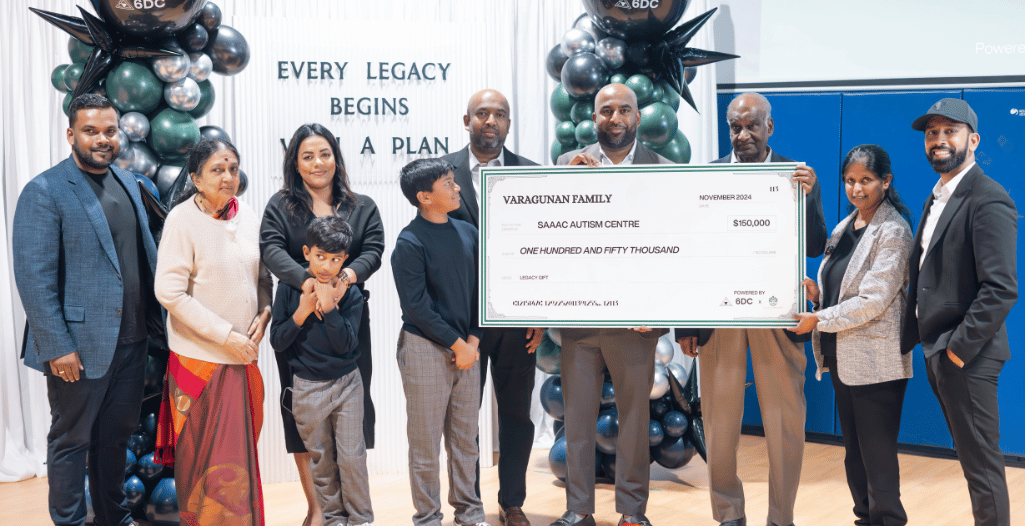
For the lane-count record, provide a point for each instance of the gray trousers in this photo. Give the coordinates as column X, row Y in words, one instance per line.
column 630, row 358
column 440, row 400
column 778, row 365
column 329, row 416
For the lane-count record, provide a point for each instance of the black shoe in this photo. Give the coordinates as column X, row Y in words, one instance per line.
column 572, row 519
column 638, row 519
column 738, row 522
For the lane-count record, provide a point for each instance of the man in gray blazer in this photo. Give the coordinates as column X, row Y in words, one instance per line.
column 84, row 260
column 509, row 349
column 629, row 354
column 777, row 356
column 963, row 283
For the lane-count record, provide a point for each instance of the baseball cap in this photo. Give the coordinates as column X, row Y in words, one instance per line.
column 953, row 109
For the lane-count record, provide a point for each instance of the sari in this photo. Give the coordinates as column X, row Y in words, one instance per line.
column 209, row 424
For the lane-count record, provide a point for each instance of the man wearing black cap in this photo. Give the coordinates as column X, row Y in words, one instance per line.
column 963, row 284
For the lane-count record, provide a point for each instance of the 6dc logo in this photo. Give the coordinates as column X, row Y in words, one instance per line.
column 743, row 301
column 644, row 4
column 148, row 4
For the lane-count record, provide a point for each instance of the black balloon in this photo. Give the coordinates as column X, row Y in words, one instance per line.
column 622, row 20
column 556, row 59
column 243, row 183
column 213, row 132
column 149, row 18
column 639, row 53
column 584, row 74
column 210, row 16
column 228, row 49
column 194, row 37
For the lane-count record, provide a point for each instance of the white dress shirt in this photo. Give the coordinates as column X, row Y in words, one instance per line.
column 605, row 161
column 475, row 171
column 768, row 155
column 941, row 194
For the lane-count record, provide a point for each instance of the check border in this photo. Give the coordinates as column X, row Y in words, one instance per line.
column 490, row 176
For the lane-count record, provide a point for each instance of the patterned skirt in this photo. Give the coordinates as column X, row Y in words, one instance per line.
column 209, row 424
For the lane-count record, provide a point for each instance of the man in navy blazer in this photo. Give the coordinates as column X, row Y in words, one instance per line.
column 509, row 349
column 83, row 262
column 963, row 283
column 778, row 359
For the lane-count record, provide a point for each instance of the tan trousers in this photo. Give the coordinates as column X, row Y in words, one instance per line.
column 778, row 365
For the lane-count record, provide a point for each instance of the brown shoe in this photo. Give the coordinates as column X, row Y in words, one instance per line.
column 512, row 516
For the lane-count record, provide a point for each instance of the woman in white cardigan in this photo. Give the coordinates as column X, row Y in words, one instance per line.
column 859, row 300
column 217, row 294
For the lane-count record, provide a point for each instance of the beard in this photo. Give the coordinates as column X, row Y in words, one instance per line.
column 488, row 144
column 945, row 166
column 605, row 138
column 85, row 157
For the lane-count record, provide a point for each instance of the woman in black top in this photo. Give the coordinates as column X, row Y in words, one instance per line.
column 316, row 184
column 858, row 309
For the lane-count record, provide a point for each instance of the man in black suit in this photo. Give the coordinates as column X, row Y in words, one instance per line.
column 510, row 350
column 963, row 284
column 777, row 356
column 629, row 354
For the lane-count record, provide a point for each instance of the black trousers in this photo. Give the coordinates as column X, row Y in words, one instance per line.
column 512, row 373
column 870, row 423
column 91, row 419
column 365, row 364
column 968, row 398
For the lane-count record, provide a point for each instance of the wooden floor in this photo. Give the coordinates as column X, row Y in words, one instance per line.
column 934, row 493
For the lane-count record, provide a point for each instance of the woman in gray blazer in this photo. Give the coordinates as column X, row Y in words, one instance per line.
column 859, row 300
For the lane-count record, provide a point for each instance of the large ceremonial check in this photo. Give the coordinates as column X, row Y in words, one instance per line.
column 718, row 245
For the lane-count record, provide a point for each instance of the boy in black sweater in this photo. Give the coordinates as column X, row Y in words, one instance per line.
column 435, row 269
column 317, row 332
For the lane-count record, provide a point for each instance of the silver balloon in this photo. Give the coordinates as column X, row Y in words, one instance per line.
column 661, row 385
column 166, row 176
column 555, row 334
column 173, row 68
column 611, row 51
column 583, row 75
column 182, row 95
column 584, row 22
column 577, row 41
column 678, row 372
column 140, row 160
column 122, row 140
column 664, row 351
column 135, row 125
column 554, row 62
column 125, row 153
column 201, row 68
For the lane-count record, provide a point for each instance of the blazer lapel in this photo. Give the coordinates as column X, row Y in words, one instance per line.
column 864, row 247
column 953, row 204
column 93, row 210
column 464, row 178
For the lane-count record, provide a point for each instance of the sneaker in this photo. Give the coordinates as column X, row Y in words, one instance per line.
column 634, row 520
column 572, row 519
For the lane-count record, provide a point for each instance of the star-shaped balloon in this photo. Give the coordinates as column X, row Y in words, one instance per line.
column 671, row 56
column 112, row 46
column 685, row 397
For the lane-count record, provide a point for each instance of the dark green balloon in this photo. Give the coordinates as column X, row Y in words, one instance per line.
column 643, row 88
column 79, row 50
column 206, row 100
column 586, row 134
column 678, row 149
column 618, row 78
column 565, row 133
column 561, row 103
column 172, row 133
column 67, row 102
column 57, row 78
column 582, row 111
column 669, row 95
column 133, row 87
column 657, row 93
column 559, row 148
column 658, row 125
column 71, row 75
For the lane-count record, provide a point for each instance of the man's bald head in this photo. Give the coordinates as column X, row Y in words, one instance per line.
column 749, row 117
column 616, row 117
column 487, row 119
